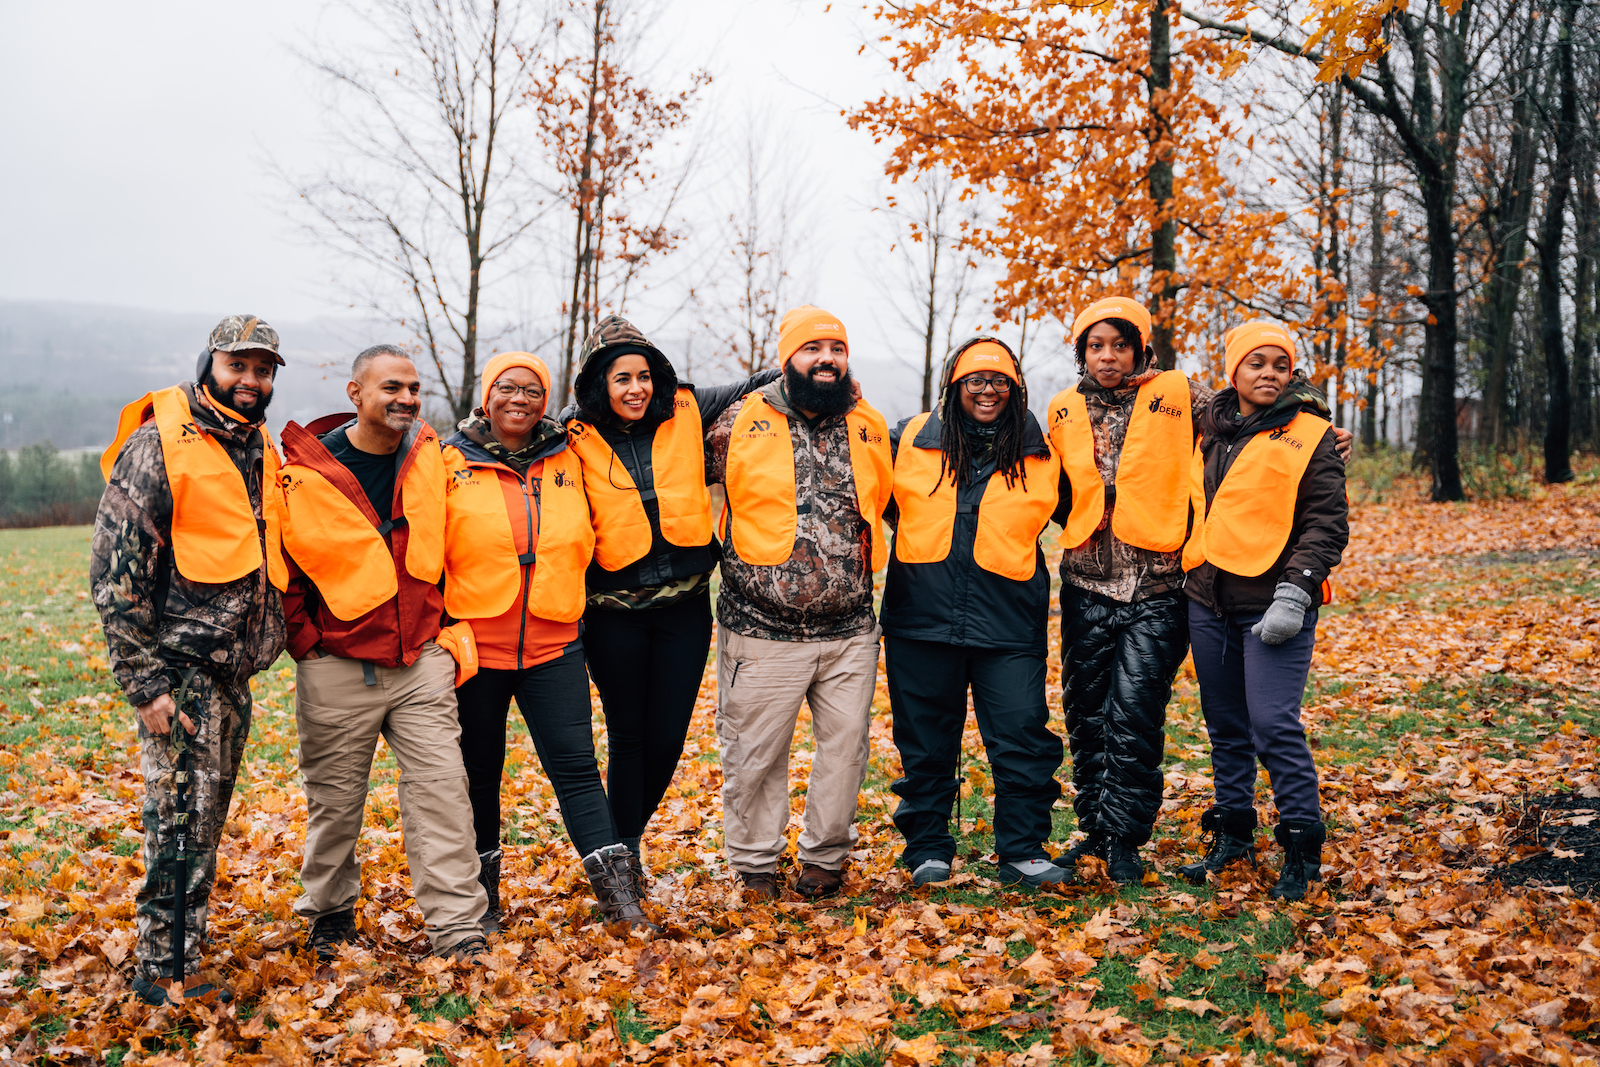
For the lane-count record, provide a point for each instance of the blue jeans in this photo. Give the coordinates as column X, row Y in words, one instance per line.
column 1250, row 694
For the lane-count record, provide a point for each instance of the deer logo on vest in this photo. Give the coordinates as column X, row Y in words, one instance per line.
column 562, row 480
column 869, row 438
column 1282, row 434
column 1158, row 408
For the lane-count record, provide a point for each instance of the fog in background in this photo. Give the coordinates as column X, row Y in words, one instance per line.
column 143, row 203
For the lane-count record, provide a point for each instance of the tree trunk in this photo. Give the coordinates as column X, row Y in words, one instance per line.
column 1588, row 223
column 1336, row 263
column 1377, row 218
column 582, row 193
column 1164, row 233
column 932, row 320
column 1558, row 427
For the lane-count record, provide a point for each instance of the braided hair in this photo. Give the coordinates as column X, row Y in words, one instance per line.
column 957, row 458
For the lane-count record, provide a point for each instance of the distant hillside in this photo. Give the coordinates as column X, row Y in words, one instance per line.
column 66, row 369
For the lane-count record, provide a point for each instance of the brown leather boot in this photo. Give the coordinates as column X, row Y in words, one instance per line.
column 760, row 886
column 616, row 890
column 815, row 881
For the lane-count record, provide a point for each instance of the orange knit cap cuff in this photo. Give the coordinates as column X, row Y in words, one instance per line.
column 504, row 362
column 1243, row 340
column 805, row 324
column 1114, row 307
column 985, row 356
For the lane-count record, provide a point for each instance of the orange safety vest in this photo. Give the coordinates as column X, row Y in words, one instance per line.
column 342, row 548
column 760, row 480
column 215, row 538
column 678, row 467
column 1252, row 514
column 1010, row 518
column 1152, row 508
column 483, row 570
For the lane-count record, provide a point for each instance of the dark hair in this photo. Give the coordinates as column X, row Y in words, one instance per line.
column 1129, row 333
column 594, row 399
column 367, row 355
column 955, row 458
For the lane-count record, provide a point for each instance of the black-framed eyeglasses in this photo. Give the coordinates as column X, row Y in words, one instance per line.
column 510, row 389
column 977, row 384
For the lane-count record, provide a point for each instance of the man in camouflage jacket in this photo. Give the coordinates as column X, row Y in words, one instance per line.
column 802, row 629
column 162, row 628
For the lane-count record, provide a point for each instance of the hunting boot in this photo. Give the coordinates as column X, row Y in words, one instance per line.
column 1232, row 837
column 1122, row 862
column 1093, row 845
column 1302, row 858
column 489, row 878
column 616, row 890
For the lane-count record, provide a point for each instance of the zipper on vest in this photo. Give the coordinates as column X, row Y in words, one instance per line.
column 527, row 575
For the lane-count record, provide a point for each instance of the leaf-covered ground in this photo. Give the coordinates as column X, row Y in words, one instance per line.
column 1454, row 686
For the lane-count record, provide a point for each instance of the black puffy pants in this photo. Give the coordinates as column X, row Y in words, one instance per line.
column 1118, row 662
column 647, row 665
column 928, row 683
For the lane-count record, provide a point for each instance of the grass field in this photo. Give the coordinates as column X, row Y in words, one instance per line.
column 1455, row 679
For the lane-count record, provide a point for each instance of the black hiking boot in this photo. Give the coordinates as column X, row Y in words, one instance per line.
column 157, row 992
column 1232, row 834
column 616, row 890
column 331, row 931
column 1302, row 858
column 489, row 878
column 1123, row 864
column 1093, row 845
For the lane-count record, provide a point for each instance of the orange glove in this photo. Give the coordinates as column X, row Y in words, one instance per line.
column 457, row 639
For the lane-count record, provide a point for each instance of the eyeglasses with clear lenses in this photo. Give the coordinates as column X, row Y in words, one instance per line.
column 976, row 383
column 510, row 389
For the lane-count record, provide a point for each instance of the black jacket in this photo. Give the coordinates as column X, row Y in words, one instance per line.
column 955, row 601
column 1321, row 512
column 633, row 443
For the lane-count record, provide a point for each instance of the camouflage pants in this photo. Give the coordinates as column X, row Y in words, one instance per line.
column 222, row 726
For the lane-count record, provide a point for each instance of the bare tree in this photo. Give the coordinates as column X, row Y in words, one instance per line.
column 934, row 283
column 430, row 193
column 767, row 254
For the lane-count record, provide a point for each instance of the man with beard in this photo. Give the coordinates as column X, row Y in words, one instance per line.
column 183, row 567
column 364, row 533
column 807, row 470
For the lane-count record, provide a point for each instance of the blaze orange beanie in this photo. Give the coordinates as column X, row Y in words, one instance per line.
column 1113, row 307
column 504, row 362
column 985, row 356
column 805, row 324
column 1243, row 340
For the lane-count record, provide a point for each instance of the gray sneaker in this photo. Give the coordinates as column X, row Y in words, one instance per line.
column 930, row 871
column 1034, row 873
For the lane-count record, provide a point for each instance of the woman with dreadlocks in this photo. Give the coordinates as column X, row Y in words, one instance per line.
column 966, row 605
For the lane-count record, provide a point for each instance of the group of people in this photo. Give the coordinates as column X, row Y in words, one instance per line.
column 423, row 584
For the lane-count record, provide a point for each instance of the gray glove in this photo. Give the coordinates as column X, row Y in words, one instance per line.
column 1286, row 615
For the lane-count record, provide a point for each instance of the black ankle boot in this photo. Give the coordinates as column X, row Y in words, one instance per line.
column 616, row 890
column 1302, row 858
column 1093, row 845
column 489, row 878
column 1232, row 837
column 1122, row 862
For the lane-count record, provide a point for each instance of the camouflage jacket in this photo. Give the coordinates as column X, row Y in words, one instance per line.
column 1105, row 564
column 824, row 590
column 153, row 616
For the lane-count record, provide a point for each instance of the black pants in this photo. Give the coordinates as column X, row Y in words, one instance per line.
column 554, row 700
column 647, row 665
column 928, row 683
column 1118, row 662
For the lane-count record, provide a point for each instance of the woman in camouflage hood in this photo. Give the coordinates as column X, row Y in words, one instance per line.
column 638, row 433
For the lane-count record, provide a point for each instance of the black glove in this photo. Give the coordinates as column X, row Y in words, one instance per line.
column 1286, row 615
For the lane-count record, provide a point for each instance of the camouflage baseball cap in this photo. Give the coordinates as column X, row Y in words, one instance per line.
column 238, row 333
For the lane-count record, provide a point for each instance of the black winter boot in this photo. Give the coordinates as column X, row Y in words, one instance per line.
column 616, row 889
column 1302, row 858
column 489, row 878
column 1093, row 845
column 1122, row 863
column 1232, row 837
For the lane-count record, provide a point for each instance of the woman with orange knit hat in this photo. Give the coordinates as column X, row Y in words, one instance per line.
column 517, row 541
column 1125, row 435
column 965, row 606
column 1271, row 522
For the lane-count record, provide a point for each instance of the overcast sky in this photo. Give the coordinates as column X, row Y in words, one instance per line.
column 137, row 137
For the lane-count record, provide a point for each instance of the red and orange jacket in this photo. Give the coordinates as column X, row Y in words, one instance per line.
column 344, row 596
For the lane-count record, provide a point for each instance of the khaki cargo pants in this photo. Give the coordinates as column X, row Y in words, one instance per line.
column 414, row 709
column 760, row 685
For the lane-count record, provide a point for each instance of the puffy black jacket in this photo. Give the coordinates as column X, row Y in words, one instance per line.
column 633, row 443
column 955, row 600
column 1321, row 511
